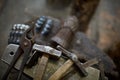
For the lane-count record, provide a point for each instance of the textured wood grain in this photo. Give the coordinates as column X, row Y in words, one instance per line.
column 41, row 67
column 60, row 72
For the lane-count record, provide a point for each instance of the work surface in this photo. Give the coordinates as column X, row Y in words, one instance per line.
column 93, row 74
column 83, row 46
column 16, row 10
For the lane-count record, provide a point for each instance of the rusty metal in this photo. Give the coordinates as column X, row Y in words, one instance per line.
column 37, row 49
column 23, row 48
column 47, row 49
column 66, row 33
column 74, row 58
column 26, row 45
column 63, row 38
column 16, row 33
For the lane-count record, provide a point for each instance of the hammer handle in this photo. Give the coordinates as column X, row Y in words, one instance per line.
column 64, row 68
column 60, row 72
column 42, row 62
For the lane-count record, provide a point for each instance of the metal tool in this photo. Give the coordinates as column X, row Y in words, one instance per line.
column 9, row 53
column 60, row 39
column 63, row 38
column 13, row 42
column 25, row 47
column 48, row 26
column 14, row 60
column 73, row 60
column 39, row 23
column 47, row 51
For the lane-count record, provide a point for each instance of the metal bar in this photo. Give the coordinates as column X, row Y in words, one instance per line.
column 16, row 57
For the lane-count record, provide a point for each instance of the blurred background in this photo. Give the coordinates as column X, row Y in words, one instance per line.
column 98, row 19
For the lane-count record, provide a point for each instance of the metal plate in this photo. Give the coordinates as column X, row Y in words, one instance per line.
column 9, row 53
column 47, row 49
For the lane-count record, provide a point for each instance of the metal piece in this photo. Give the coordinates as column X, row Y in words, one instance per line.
column 45, row 32
column 47, row 26
column 49, row 22
column 42, row 18
column 33, row 58
column 16, row 33
column 63, row 37
column 39, row 23
column 9, row 53
column 20, row 27
column 44, row 49
column 74, row 58
column 44, row 59
column 61, row 72
column 14, row 60
column 47, row 49
column 25, row 47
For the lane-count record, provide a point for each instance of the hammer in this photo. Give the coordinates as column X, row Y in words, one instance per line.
column 47, row 51
column 64, row 38
column 73, row 59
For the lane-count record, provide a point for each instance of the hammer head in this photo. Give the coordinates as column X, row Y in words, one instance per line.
column 47, row 50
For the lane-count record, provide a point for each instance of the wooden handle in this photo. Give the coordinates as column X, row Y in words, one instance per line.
column 64, row 68
column 60, row 72
column 42, row 62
